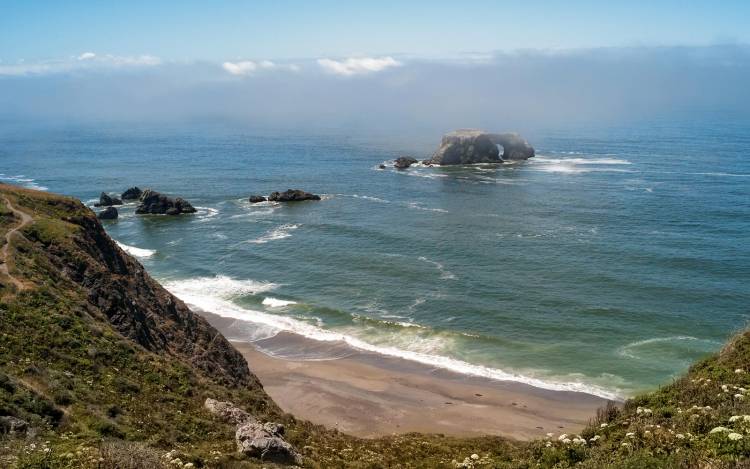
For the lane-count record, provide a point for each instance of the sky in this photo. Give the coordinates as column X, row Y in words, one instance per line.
column 439, row 65
column 283, row 29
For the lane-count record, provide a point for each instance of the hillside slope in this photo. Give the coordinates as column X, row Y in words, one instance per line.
column 108, row 369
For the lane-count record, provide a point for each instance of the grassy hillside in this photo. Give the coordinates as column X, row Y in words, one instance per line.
column 110, row 370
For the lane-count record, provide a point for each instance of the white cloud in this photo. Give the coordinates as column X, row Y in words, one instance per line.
column 248, row 67
column 85, row 61
column 358, row 65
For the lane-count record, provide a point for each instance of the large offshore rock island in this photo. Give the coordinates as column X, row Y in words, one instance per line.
column 471, row 146
column 101, row 367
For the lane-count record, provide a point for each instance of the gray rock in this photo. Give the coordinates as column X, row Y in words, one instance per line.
column 13, row 425
column 471, row 146
column 254, row 199
column 109, row 213
column 134, row 193
column 292, row 195
column 403, row 162
column 254, row 439
column 228, row 412
column 105, row 200
column 153, row 202
column 266, row 443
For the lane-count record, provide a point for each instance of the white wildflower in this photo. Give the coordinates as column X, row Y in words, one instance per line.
column 734, row 436
column 549, row 443
column 604, row 425
column 719, row 429
column 566, row 441
column 680, row 436
column 562, row 437
column 595, row 438
column 739, row 397
column 630, row 435
column 739, row 371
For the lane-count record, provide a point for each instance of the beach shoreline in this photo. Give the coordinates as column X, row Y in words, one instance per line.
column 370, row 395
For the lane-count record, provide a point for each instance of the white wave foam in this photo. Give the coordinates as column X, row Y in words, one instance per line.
column 444, row 273
column 418, row 206
column 577, row 165
column 628, row 349
column 219, row 286
column 277, row 303
column 206, row 213
column 214, row 294
column 23, row 181
column 137, row 252
column 365, row 197
column 279, row 232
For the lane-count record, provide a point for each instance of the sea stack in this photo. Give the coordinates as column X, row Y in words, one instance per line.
column 155, row 203
column 109, row 213
column 471, row 146
column 105, row 200
column 134, row 193
column 292, row 195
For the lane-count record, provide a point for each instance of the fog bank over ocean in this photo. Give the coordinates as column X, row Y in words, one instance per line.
column 504, row 90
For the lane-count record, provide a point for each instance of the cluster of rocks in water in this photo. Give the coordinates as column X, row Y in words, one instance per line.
column 290, row 195
column 264, row 441
column 470, row 146
column 150, row 202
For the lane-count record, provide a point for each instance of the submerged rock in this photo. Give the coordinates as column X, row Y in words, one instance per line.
column 254, row 199
column 292, row 195
column 254, row 439
column 471, row 146
column 134, row 193
column 403, row 162
column 105, row 200
column 109, row 213
column 153, row 202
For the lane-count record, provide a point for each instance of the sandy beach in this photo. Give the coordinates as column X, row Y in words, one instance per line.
column 370, row 395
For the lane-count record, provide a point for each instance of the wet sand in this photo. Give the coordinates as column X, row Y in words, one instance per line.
column 369, row 395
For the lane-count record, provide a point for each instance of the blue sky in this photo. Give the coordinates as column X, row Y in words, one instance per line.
column 282, row 29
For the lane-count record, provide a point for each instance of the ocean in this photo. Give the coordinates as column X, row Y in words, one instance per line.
column 608, row 263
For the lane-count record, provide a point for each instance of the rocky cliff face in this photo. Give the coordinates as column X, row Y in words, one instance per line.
column 118, row 286
column 471, row 146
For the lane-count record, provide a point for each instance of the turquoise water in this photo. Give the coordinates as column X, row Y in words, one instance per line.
column 608, row 263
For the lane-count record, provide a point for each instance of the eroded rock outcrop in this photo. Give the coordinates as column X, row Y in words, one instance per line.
column 109, row 213
column 134, row 193
column 292, row 195
column 470, row 146
column 255, row 199
column 403, row 162
column 105, row 200
column 154, row 203
column 264, row 441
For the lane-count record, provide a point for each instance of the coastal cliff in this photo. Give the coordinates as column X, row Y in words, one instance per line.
column 102, row 367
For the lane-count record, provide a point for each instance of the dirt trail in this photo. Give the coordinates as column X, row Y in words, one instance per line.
column 25, row 220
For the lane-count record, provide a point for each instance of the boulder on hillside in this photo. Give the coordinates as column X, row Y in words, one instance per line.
column 254, row 199
column 228, row 412
column 105, row 200
column 264, row 441
column 403, row 162
column 292, row 195
column 134, row 193
column 155, row 203
column 109, row 213
column 470, row 146
column 12, row 425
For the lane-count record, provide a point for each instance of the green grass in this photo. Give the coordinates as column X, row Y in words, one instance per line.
column 97, row 399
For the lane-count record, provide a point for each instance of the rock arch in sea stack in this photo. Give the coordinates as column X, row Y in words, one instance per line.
column 470, row 146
